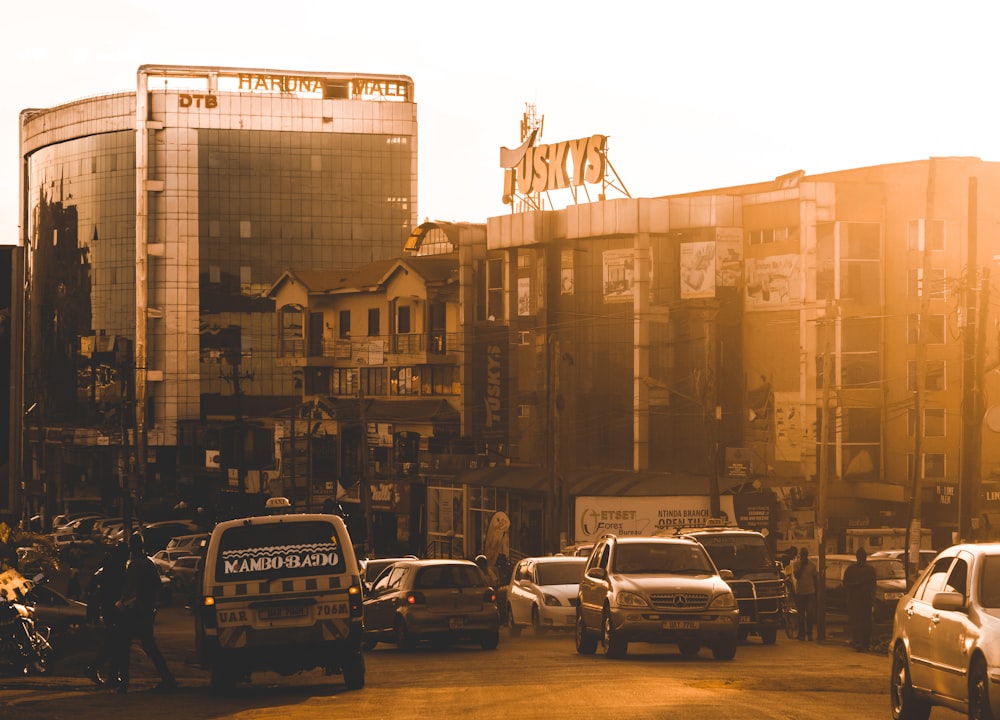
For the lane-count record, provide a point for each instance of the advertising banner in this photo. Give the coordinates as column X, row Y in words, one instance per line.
column 624, row 516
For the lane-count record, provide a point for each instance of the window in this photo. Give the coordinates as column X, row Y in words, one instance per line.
column 439, row 380
column 935, row 375
column 764, row 237
column 934, row 465
column 936, row 285
column 405, row 381
column 860, row 352
column 935, row 329
column 342, row 382
column 860, row 262
column 375, row 380
column 374, row 323
column 921, row 232
column 934, row 422
column 494, row 289
column 861, row 435
column 345, row 324
column 291, row 332
column 403, row 319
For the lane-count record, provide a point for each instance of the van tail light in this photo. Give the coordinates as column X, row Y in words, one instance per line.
column 208, row 616
column 354, row 599
column 415, row 598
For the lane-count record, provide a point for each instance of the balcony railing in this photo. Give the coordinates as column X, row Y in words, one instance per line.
column 371, row 349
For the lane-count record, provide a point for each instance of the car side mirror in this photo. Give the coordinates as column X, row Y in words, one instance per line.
column 726, row 574
column 949, row 601
column 598, row 573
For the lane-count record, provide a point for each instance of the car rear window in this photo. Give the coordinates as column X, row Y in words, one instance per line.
column 448, row 576
column 267, row 551
column 560, row 573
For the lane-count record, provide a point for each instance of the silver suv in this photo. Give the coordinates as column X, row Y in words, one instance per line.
column 655, row 590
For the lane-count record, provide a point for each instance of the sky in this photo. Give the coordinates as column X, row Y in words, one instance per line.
column 692, row 95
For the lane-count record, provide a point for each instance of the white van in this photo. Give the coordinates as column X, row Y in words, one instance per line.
column 280, row 593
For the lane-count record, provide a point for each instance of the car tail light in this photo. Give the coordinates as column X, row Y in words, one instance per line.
column 490, row 596
column 415, row 598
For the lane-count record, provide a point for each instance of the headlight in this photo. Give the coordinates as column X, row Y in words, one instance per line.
column 725, row 601
column 550, row 599
column 631, row 600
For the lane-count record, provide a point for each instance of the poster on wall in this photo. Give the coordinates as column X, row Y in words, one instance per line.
column 619, row 274
column 697, row 267
column 728, row 257
column 787, row 427
column 566, row 272
column 773, row 281
column 523, row 296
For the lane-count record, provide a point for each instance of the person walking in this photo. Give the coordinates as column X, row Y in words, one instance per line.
column 859, row 594
column 805, row 593
column 114, row 644
column 142, row 585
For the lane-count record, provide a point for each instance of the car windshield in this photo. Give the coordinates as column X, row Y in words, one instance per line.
column 652, row 558
column 265, row 551
column 560, row 573
column 888, row 569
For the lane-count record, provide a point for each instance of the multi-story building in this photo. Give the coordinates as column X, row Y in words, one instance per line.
column 153, row 221
column 709, row 334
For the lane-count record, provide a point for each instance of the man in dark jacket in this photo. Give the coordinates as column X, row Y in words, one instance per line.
column 859, row 592
column 108, row 582
column 142, row 585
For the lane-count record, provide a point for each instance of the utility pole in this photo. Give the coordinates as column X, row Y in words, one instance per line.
column 829, row 325
column 366, row 484
column 913, row 527
column 973, row 337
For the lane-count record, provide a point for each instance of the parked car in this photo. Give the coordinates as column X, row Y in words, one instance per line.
column 542, row 593
column 156, row 535
column 441, row 601
column 164, row 559
column 191, row 544
column 945, row 644
column 184, row 573
column 890, row 583
column 924, row 559
column 655, row 590
column 66, row 518
column 64, row 616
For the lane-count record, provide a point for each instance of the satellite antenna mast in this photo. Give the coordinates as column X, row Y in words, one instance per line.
column 531, row 128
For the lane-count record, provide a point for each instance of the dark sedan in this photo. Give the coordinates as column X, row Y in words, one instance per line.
column 441, row 601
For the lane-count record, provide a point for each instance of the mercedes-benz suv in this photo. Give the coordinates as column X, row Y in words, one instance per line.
column 655, row 590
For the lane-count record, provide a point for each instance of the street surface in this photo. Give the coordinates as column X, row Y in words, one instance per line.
column 526, row 677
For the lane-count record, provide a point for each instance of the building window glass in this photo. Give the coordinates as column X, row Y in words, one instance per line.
column 403, row 319
column 860, row 262
column 935, row 375
column 405, row 381
column 861, row 438
column 494, row 289
column 375, row 381
column 937, row 285
column 920, row 232
column 935, row 329
column 373, row 322
column 345, row 324
column 860, row 357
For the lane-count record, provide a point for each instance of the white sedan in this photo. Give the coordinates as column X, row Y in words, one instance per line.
column 542, row 593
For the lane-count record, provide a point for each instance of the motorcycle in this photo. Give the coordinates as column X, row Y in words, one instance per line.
column 24, row 642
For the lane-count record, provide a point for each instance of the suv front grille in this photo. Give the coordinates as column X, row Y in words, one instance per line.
column 679, row 601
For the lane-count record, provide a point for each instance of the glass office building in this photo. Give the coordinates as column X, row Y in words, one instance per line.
column 154, row 220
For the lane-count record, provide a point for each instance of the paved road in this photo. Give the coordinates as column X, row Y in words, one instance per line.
column 527, row 677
